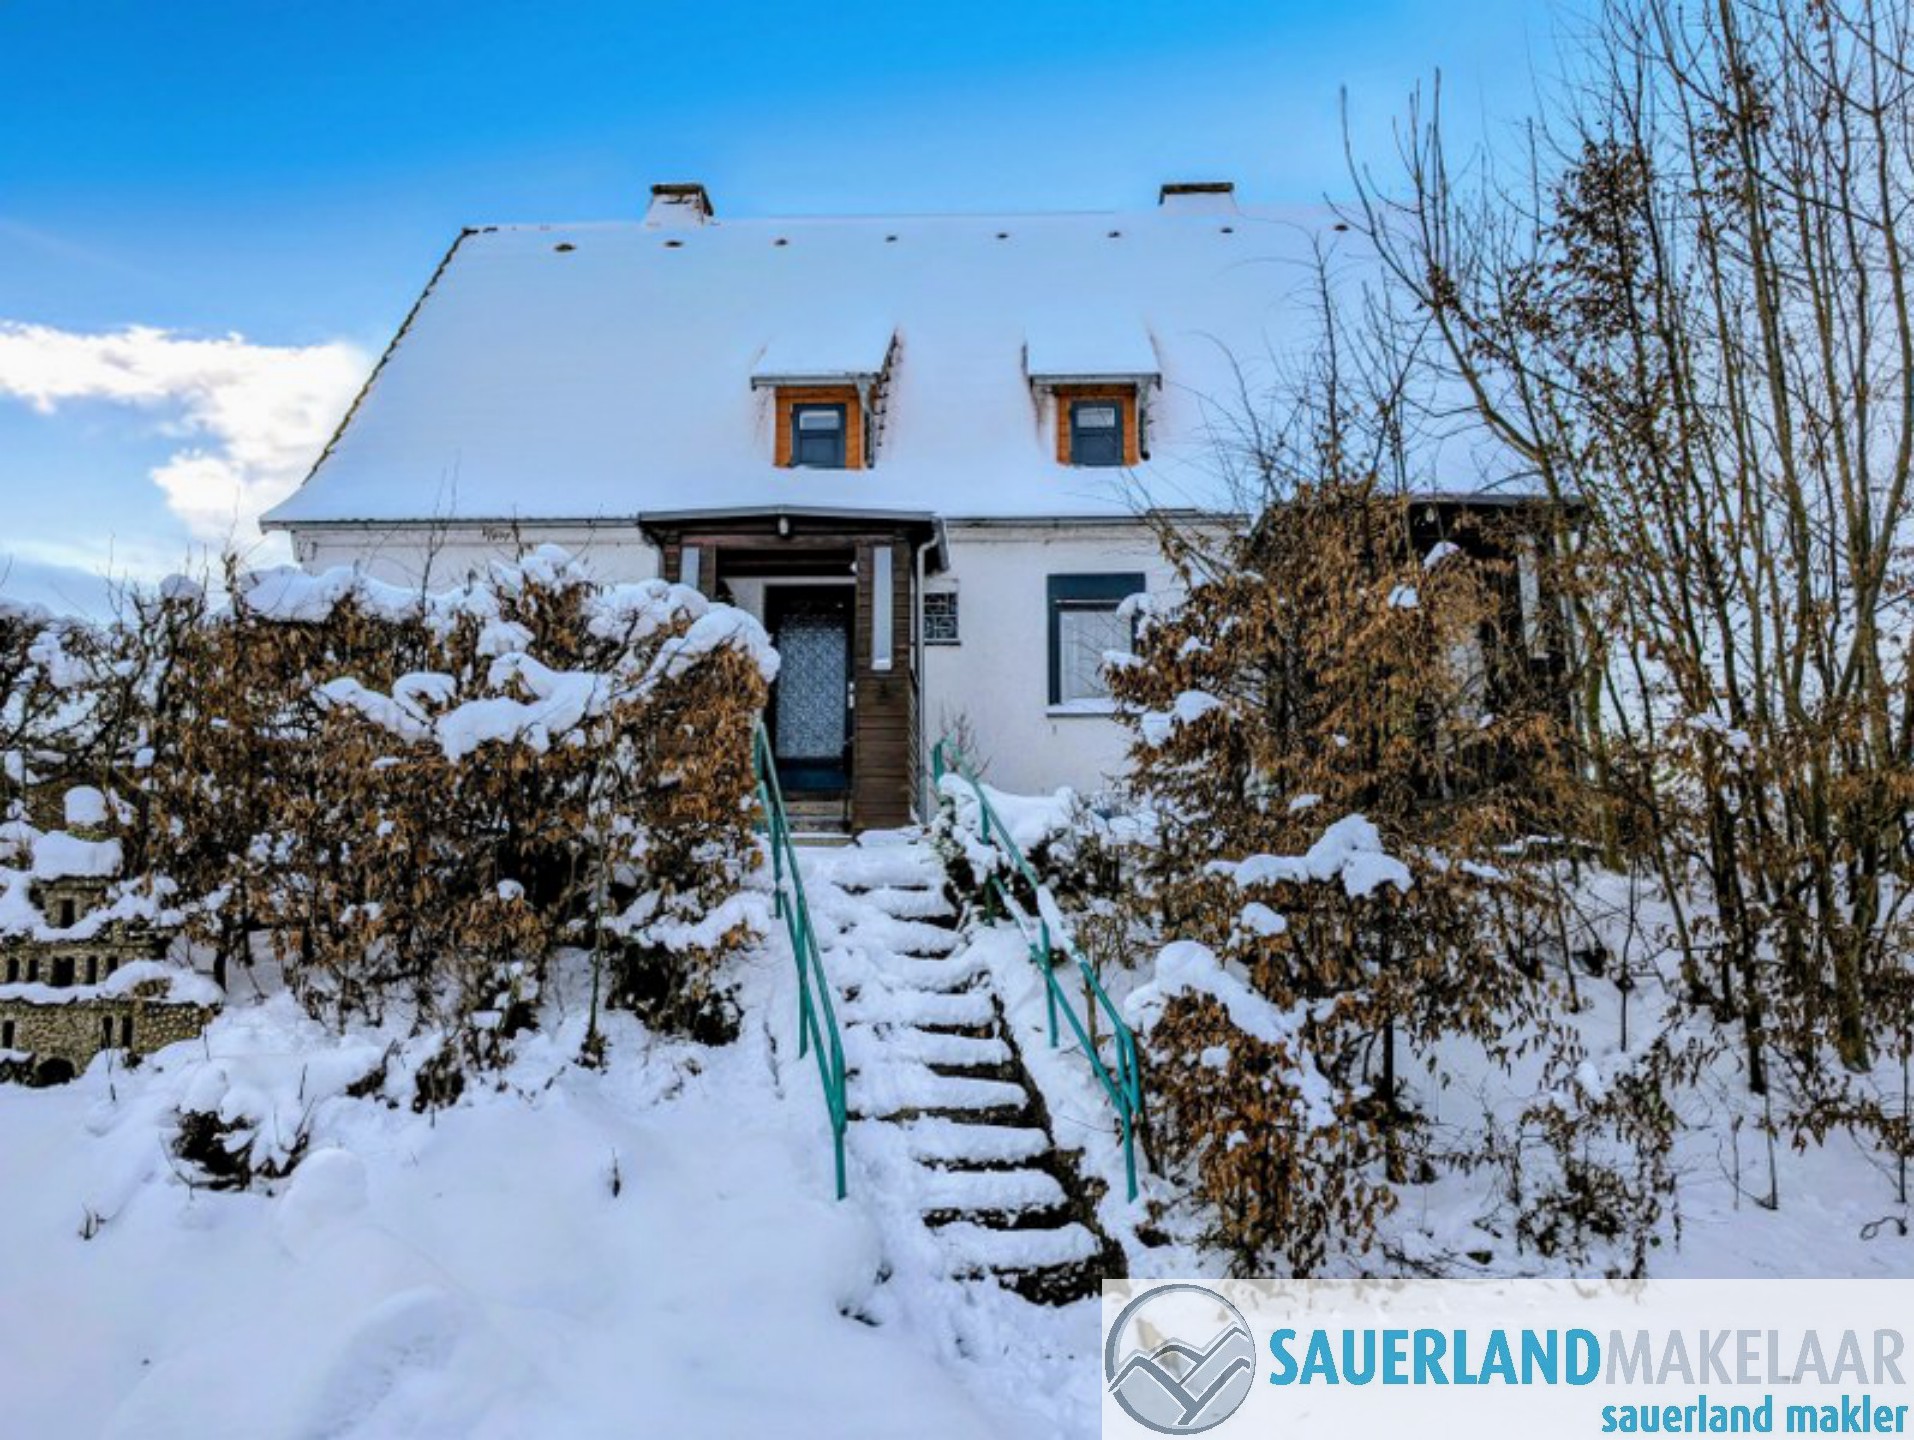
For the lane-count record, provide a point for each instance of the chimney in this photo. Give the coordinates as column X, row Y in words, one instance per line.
column 1198, row 197
column 676, row 206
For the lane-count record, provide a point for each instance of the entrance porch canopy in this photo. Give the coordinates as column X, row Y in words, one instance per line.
column 876, row 551
column 778, row 539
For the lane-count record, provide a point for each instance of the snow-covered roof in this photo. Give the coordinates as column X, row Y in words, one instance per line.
column 85, row 806
column 1092, row 347
column 153, row 980
column 60, row 856
column 130, row 906
column 605, row 371
column 849, row 349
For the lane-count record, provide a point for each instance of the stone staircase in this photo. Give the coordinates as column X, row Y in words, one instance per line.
column 938, row 1089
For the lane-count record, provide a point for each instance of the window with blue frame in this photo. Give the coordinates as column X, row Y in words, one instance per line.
column 1086, row 623
column 817, row 436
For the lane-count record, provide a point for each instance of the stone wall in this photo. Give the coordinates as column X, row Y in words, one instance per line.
column 71, row 1034
column 77, row 962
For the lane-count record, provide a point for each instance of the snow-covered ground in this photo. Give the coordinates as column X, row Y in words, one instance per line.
column 1838, row 1215
column 475, row 1272
column 1839, row 1212
column 652, row 1248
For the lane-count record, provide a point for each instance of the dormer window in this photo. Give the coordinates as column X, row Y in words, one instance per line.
column 1096, row 432
column 828, row 394
column 817, row 436
column 821, row 427
column 1092, row 377
column 1099, row 426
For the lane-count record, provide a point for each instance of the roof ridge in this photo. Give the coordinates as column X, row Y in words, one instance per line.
column 898, row 217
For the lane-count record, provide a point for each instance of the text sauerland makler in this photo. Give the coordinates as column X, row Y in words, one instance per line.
column 1734, row 1358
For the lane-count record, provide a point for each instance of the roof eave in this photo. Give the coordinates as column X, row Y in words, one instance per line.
column 816, row 377
column 1050, row 380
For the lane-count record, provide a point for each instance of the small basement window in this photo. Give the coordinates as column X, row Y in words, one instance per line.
column 1086, row 623
column 1096, row 432
column 106, row 1032
column 6, row 1034
column 817, row 436
column 940, row 617
column 126, row 1032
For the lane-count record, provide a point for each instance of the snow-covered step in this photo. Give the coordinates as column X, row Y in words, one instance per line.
column 870, row 1047
column 905, row 972
column 897, row 1089
column 866, row 867
column 975, row 1249
column 1000, row 1192
column 904, row 937
column 935, row 1140
column 923, row 1007
column 901, row 903
column 933, row 1047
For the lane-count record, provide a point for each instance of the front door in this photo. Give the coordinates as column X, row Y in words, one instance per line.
column 811, row 701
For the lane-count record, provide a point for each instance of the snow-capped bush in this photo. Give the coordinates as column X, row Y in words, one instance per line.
column 1285, row 1158
column 1333, row 773
column 416, row 796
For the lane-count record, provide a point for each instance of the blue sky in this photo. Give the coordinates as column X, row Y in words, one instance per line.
column 175, row 175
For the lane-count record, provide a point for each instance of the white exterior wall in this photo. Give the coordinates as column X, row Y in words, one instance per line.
column 997, row 677
column 412, row 554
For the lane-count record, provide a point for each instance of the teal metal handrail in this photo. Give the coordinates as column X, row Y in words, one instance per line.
column 817, row 1016
column 1121, row 1078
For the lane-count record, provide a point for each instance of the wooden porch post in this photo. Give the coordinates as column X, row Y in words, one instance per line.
column 883, row 777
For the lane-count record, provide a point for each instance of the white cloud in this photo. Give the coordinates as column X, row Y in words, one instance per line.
column 250, row 418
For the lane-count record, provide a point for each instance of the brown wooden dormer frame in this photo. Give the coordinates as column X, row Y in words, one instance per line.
column 1125, row 393
column 789, row 397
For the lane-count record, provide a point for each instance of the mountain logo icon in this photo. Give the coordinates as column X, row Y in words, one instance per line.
column 1179, row 1359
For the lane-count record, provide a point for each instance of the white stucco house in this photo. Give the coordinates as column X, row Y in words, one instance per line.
column 919, row 448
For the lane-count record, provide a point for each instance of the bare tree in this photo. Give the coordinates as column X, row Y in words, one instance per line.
column 1683, row 313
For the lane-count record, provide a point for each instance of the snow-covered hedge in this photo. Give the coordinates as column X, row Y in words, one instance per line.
column 416, row 794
